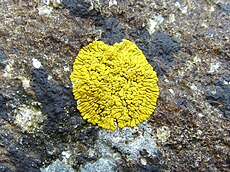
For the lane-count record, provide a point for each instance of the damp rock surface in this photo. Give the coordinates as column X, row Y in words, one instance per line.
column 186, row 42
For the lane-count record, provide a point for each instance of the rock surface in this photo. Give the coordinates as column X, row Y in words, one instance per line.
column 187, row 43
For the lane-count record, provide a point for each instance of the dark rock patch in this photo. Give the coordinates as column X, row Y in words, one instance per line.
column 224, row 7
column 22, row 160
column 4, row 167
column 3, row 58
column 163, row 46
column 159, row 48
column 80, row 8
column 218, row 95
column 112, row 30
column 18, row 156
column 54, row 99
column 3, row 107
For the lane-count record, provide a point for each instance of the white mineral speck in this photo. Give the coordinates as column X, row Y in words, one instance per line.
column 171, row 18
column 193, row 87
column 163, row 133
column 66, row 154
column 47, row 2
column 25, row 83
column 112, row 2
column 212, row 9
column 8, row 70
column 226, row 83
column 49, row 77
column 66, row 68
column 36, row 63
column 153, row 23
column 214, row 67
column 183, row 9
column 143, row 161
column 44, row 10
column 200, row 115
column 171, row 91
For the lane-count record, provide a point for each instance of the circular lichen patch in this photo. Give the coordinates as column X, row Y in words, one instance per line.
column 114, row 85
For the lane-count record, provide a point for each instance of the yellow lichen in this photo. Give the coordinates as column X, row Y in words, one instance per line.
column 114, row 85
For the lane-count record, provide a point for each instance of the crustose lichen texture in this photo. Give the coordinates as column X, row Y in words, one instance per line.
column 114, row 86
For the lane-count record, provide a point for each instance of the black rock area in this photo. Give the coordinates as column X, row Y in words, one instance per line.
column 54, row 99
column 82, row 159
column 159, row 48
column 3, row 58
column 21, row 159
column 16, row 156
column 80, row 8
column 112, row 30
column 218, row 95
column 149, row 168
column 163, row 46
column 142, row 37
column 3, row 107
column 5, row 167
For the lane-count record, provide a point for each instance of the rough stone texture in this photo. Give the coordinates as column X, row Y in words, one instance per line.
column 57, row 166
column 3, row 58
column 188, row 47
column 101, row 165
column 137, row 145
